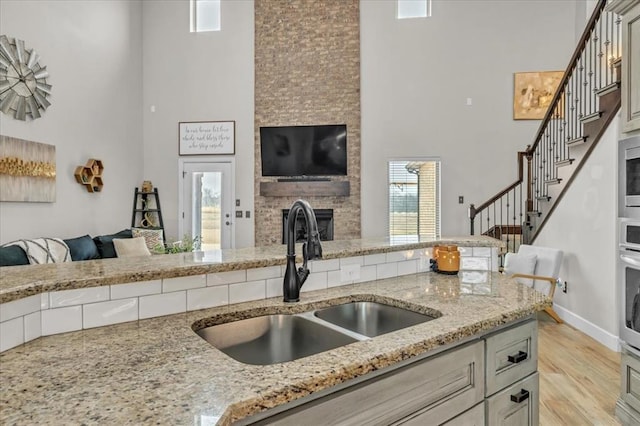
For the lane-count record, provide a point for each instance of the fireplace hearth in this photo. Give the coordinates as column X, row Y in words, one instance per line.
column 324, row 218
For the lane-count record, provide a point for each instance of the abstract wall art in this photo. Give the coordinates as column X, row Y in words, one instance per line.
column 533, row 93
column 27, row 171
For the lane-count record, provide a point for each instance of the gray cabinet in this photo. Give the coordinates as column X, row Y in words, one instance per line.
column 517, row 405
column 511, row 355
column 472, row 417
column 628, row 404
column 630, row 384
column 444, row 385
column 630, row 11
column 631, row 71
column 511, row 376
column 491, row 380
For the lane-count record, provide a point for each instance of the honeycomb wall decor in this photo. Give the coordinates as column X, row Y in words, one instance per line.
column 90, row 175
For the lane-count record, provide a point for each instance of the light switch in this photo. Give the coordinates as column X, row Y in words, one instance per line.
column 238, row 213
column 247, row 214
column 469, row 101
column 238, row 203
column 460, row 199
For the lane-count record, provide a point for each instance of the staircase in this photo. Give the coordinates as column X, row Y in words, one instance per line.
column 587, row 99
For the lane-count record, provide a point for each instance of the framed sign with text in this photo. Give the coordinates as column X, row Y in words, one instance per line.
column 206, row 137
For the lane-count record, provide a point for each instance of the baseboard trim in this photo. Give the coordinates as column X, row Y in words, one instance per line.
column 609, row 340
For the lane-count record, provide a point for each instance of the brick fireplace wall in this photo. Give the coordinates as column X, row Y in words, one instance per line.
column 307, row 72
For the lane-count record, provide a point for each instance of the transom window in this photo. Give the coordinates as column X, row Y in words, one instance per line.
column 414, row 199
column 413, row 9
column 204, row 15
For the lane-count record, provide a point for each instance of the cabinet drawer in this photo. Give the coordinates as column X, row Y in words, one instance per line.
column 517, row 405
column 630, row 389
column 511, row 355
column 445, row 385
column 472, row 417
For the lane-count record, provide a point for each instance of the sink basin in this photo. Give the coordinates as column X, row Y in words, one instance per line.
column 271, row 339
column 370, row 318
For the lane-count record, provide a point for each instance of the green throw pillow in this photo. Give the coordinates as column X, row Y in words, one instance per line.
column 13, row 255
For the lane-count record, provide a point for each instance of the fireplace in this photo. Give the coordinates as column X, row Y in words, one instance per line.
column 324, row 218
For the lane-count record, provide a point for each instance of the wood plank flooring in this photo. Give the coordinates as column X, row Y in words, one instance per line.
column 579, row 377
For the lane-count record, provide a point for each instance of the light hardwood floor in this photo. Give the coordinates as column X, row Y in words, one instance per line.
column 579, row 377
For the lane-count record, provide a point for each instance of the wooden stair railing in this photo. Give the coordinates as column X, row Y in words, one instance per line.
column 584, row 104
column 505, row 209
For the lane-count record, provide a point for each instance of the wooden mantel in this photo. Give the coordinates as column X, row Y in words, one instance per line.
column 305, row 188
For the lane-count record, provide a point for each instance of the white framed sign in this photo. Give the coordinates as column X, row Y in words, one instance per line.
column 206, row 137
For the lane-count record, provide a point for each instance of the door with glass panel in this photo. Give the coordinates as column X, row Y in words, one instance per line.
column 206, row 201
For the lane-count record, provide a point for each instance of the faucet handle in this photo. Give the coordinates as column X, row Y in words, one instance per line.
column 316, row 249
column 303, row 274
column 313, row 251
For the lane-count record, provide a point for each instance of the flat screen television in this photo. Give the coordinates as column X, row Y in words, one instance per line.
column 304, row 150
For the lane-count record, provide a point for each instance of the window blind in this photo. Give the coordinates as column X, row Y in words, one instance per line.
column 414, row 199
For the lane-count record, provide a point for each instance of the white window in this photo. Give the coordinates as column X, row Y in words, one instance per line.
column 414, row 199
column 205, row 15
column 413, row 9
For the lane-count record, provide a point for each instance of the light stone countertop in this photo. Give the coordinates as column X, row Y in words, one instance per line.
column 158, row 371
column 17, row 282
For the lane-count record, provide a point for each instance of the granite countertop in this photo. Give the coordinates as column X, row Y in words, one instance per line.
column 159, row 371
column 17, row 282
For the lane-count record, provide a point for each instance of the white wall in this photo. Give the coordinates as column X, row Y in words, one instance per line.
column 197, row 77
column 417, row 75
column 584, row 227
column 584, row 10
column 92, row 51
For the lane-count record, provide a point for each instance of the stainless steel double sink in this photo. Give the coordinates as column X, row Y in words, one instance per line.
column 271, row 339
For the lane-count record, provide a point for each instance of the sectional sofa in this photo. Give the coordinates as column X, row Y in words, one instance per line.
column 41, row 250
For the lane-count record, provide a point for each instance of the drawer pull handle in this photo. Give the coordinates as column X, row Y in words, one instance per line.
column 520, row 396
column 517, row 358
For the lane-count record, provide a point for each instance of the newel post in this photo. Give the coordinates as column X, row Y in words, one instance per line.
column 472, row 216
column 529, row 180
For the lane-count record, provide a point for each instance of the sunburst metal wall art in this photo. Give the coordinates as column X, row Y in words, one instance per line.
column 23, row 82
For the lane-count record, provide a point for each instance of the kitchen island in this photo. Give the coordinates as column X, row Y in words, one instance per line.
column 159, row 371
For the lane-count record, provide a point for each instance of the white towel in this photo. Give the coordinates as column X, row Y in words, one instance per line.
column 44, row 250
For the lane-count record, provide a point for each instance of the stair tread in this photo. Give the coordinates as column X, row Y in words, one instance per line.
column 576, row 141
column 591, row 117
column 566, row 162
column 608, row 89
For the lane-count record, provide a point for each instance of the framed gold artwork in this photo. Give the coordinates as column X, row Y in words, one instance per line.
column 27, row 171
column 533, row 93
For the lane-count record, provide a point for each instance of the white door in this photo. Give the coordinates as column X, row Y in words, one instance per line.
column 206, row 203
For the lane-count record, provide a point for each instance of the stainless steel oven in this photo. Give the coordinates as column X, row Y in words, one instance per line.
column 629, row 178
column 629, row 280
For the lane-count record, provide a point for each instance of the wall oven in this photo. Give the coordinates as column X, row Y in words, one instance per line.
column 629, row 178
column 629, row 279
column 629, row 239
